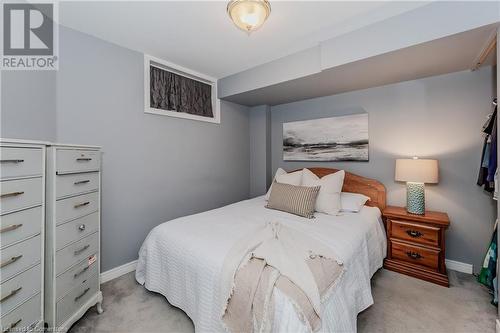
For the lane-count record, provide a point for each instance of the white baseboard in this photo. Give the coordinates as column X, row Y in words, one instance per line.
column 118, row 271
column 130, row 267
column 459, row 266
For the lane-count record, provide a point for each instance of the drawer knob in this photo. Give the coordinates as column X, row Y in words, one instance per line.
column 81, row 227
column 83, row 159
column 11, row 326
column 10, row 261
column 11, row 227
column 11, row 161
column 81, row 204
column 80, row 272
column 9, row 295
column 82, row 294
column 77, row 252
column 11, row 194
column 414, row 233
column 80, row 182
column 414, row 255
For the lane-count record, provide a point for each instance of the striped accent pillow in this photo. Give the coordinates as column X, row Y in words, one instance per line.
column 298, row 200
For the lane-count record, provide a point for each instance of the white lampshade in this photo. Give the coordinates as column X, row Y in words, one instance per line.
column 417, row 170
column 248, row 15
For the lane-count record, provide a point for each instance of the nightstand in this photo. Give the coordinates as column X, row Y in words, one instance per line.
column 416, row 244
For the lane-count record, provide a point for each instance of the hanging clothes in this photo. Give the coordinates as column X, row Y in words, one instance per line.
column 492, row 164
column 488, row 273
column 495, row 192
column 488, row 165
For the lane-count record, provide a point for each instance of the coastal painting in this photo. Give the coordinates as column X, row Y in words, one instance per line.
column 343, row 138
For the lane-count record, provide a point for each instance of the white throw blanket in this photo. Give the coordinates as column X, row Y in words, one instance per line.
column 288, row 251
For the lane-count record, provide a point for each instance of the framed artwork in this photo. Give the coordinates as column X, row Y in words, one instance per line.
column 343, row 138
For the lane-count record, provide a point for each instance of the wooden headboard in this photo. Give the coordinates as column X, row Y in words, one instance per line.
column 357, row 184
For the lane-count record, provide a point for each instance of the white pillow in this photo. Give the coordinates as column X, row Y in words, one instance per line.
column 328, row 200
column 281, row 176
column 352, row 202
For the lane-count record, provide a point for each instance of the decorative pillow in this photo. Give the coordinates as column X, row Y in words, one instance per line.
column 352, row 202
column 298, row 200
column 328, row 200
column 281, row 176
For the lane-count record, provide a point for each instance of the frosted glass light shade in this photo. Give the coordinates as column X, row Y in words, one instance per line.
column 417, row 170
column 248, row 15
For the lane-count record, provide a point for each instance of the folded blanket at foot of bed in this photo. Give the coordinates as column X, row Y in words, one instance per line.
column 277, row 257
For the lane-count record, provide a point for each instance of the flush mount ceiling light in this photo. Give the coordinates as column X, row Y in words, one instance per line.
column 248, row 15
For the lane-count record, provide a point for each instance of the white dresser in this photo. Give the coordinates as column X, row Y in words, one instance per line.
column 22, row 213
column 72, row 250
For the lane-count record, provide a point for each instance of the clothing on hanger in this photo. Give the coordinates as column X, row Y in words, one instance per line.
column 492, row 164
column 488, row 273
column 488, row 166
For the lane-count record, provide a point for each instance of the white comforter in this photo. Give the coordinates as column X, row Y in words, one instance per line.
column 182, row 259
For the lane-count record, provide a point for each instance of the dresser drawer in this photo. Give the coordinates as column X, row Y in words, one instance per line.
column 17, row 258
column 414, row 232
column 20, row 193
column 20, row 225
column 76, row 275
column 20, row 162
column 23, row 318
column 72, row 184
column 76, row 229
column 76, row 252
column 74, row 207
column 20, row 288
column 415, row 254
column 72, row 161
column 75, row 299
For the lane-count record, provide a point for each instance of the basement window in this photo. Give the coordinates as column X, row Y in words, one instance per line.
column 171, row 90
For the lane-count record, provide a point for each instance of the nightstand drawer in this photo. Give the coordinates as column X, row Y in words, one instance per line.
column 414, row 232
column 415, row 254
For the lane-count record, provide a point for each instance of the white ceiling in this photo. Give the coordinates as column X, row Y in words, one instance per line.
column 199, row 35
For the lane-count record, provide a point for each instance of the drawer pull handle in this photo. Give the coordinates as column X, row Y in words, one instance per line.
column 9, row 295
column 82, row 294
column 11, row 326
column 81, row 227
column 11, row 227
column 414, row 233
column 11, row 194
column 414, row 255
column 81, row 204
column 80, row 182
column 11, row 161
column 80, row 272
column 10, row 261
column 77, row 252
column 83, row 159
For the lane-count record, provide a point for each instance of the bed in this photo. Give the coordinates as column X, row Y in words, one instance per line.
column 182, row 259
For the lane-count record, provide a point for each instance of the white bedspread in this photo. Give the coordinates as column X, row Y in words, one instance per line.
column 182, row 259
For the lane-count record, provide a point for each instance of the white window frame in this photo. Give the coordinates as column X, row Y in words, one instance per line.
column 182, row 71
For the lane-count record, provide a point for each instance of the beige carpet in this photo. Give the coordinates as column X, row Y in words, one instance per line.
column 402, row 304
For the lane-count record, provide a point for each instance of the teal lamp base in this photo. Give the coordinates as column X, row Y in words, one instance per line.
column 415, row 198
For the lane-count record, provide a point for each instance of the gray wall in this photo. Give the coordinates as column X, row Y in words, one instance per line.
column 438, row 117
column 260, row 149
column 155, row 168
column 28, row 105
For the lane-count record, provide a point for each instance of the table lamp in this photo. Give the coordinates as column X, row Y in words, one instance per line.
column 416, row 172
